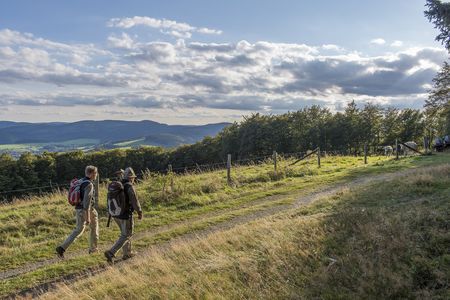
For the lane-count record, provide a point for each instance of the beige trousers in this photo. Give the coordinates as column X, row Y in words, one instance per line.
column 124, row 241
column 81, row 226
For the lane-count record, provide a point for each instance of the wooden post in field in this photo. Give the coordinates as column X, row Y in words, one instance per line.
column 169, row 168
column 365, row 153
column 318, row 156
column 396, row 148
column 51, row 185
column 275, row 162
column 229, row 169
column 164, row 189
column 96, row 188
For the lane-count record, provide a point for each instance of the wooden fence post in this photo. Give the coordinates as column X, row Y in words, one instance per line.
column 275, row 162
column 365, row 153
column 229, row 169
column 169, row 167
column 318, row 156
column 396, row 148
column 96, row 188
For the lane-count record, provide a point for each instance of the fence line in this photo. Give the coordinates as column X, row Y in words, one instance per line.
column 219, row 165
column 26, row 189
column 186, row 168
column 51, row 186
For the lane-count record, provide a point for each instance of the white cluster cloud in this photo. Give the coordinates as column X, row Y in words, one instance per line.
column 232, row 77
column 174, row 28
column 123, row 41
column 396, row 44
column 378, row 41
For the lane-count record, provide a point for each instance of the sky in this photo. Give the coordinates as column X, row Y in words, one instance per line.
column 198, row 62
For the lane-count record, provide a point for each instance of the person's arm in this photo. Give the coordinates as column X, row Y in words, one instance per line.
column 134, row 201
column 88, row 194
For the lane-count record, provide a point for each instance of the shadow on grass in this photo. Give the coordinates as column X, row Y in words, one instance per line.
column 386, row 241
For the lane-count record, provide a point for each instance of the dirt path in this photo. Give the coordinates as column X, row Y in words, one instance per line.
column 325, row 191
column 142, row 234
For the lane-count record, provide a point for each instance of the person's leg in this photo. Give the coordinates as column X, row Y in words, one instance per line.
column 127, row 246
column 93, row 238
column 78, row 231
column 124, row 226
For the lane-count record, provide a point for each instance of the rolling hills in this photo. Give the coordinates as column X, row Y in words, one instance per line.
column 108, row 134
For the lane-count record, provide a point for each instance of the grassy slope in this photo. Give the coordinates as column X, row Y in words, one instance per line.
column 387, row 240
column 30, row 229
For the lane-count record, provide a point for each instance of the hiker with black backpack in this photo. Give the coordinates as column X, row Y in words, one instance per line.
column 115, row 193
column 81, row 196
column 122, row 201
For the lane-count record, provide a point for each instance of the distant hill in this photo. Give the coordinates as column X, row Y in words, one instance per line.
column 4, row 124
column 106, row 132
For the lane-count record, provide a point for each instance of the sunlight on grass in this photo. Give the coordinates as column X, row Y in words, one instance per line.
column 30, row 231
column 370, row 242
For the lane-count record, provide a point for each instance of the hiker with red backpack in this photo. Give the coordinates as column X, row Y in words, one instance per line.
column 81, row 196
column 122, row 201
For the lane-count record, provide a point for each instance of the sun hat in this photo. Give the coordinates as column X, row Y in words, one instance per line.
column 129, row 173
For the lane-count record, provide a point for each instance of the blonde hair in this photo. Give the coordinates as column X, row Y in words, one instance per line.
column 89, row 170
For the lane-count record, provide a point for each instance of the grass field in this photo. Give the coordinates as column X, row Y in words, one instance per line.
column 31, row 228
column 129, row 143
column 382, row 241
column 35, row 147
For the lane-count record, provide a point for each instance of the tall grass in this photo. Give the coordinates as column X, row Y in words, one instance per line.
column 382, row 241
column 31, row 228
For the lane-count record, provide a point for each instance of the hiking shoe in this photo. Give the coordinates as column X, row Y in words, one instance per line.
column 93, row 251
column 60, row 251
column 129, row 255
column 109, row 256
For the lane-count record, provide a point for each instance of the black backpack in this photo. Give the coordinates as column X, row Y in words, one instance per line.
column 116, row 201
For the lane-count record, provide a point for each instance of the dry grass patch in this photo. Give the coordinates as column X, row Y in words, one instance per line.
column 370, row 242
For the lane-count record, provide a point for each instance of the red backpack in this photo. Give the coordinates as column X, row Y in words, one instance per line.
column 74, row 196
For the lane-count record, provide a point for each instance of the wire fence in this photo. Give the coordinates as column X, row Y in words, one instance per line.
column 50, row 186
column 194, row 168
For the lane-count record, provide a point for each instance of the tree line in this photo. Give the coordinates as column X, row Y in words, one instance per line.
column 438, row 104
column 257, row 135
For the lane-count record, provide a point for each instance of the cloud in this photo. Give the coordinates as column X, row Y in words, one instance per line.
column 155, row 53
column 396, row 44
column 241, row 76
column 124, row 41
column 209, row 31
column 378, row 41
column 332, row 47
column 170, row 27
column 150, row 22
column 210, row 47
column 178, row 34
